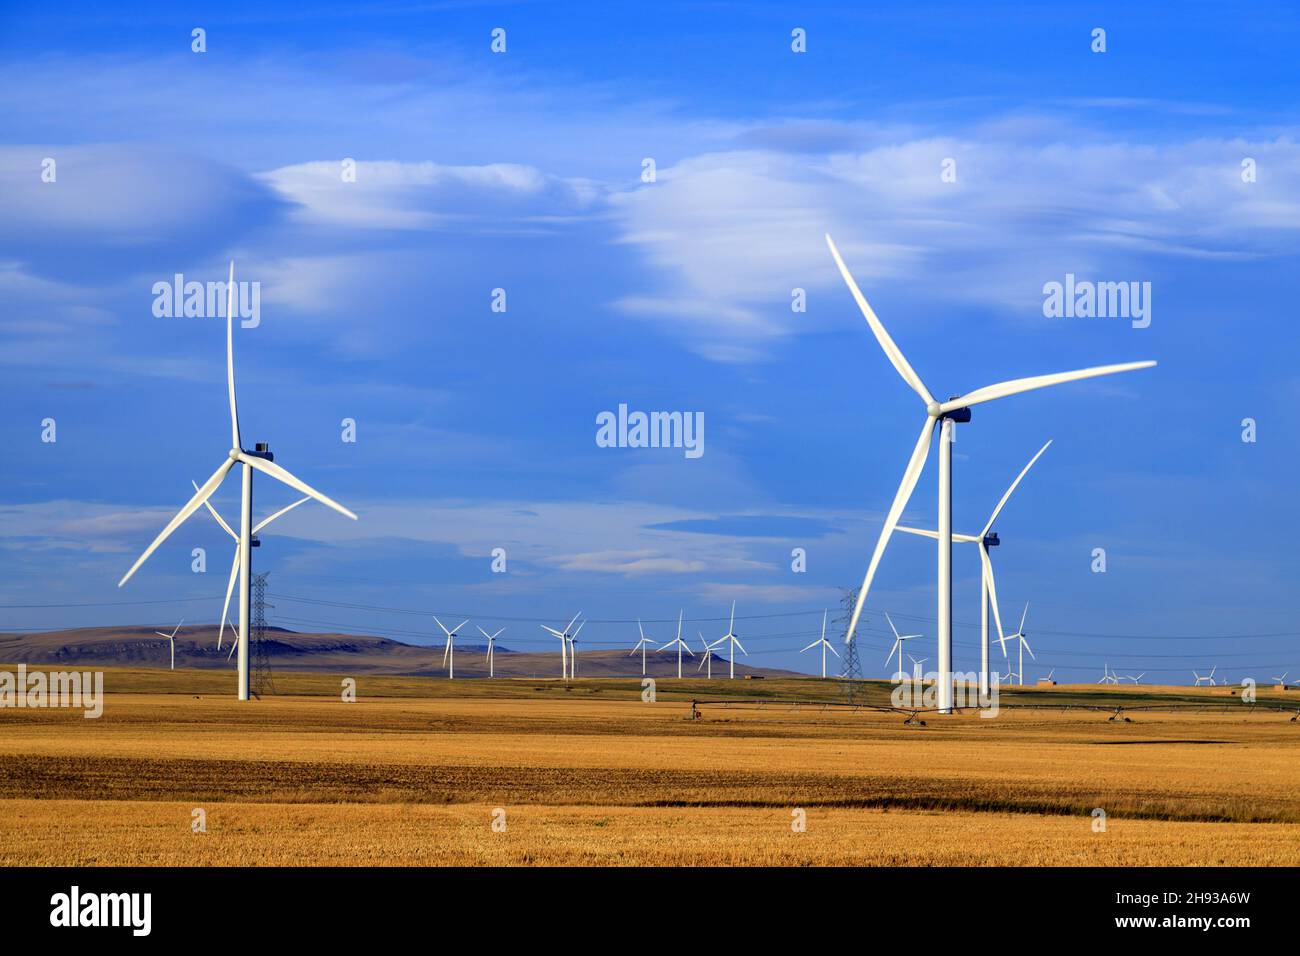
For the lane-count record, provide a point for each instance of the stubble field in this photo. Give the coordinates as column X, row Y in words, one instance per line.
column 592, row 775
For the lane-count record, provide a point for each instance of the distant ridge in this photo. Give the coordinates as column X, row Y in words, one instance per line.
column 196, row 646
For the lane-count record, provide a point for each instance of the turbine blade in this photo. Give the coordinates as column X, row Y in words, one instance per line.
column 230, row 358
column 1024, row 615
column 832, row 649
column 891, row 626
column 1027, row 647
column 230, row 589
column 740, row 645
column 551, row 630
column 910, row 477
column 1023, row 471
column 581, row 625
column 993, row 595
column 808, row 648
column 923, row 532
column 213, row 511
column 456, row 629
column 280, row 474
column 266, row 521
column 200, row 496
column 891, row 350
column 1018, row 385
column 441, row 625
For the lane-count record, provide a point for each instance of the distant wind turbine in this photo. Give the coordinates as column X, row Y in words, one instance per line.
column 1206, row 679
column 918, row 675
column 172, row 638
column 898, row 646
column 944, row 415
column 987, row 538
column 679, row 644
column 824, row 644
column 260, row 459
column 734, row 642
column 449, row 651
column 708, row 654
column 492, row 640
column 1024, row 644
column 641, row 645
column 1136, row 679
column 1281, row 681
column 564, row 644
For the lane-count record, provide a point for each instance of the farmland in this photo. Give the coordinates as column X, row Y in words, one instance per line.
column 416, row 770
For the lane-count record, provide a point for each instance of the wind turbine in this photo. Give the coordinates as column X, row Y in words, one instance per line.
column 1050, row 673
column 1137, row 679
column 918, row 675
column 1107, row 677
column 734, row 643
column 680, row 644
column 564, row 644
column 573, row 650
column 172, row 637
column 987, row 538
column 492, row 640
column 1281, row 681
column 235, row 564
column 449, row 649
column 260, row 459
column 898, row 646
column 641, row 645
column 825, row 645
column 1024, row 645
column 708, row 654
column 1207, row 679
column 945, row 415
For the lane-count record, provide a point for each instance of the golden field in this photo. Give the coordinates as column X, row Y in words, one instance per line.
column 413, row 771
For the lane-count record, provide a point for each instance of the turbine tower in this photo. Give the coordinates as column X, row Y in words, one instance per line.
column 679, row 644
column 260, row 459
column 641, row 645
column 944, row 415
column 492, row 640
column 824, row 644
column 449, row 650
column 987, row 538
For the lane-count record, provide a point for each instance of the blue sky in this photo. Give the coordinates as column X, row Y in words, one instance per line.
column 522, row 171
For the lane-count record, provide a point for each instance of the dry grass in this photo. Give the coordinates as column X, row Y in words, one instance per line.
column 594, row 776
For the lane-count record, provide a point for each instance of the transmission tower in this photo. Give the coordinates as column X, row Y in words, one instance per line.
column 851, row 672
column 263, row 682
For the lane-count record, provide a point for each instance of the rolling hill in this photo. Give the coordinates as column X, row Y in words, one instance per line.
column 196, row 646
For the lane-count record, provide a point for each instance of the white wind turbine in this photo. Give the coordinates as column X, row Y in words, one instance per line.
column 172, row 638
column 1281, row 681
column 564, row 644
column 1050, row 673
column 898, row 647
column 734, row 642
column 1206, row 679
column 1136, row 679
column 259, row 459
column 945, row 414
column 708, row 654
column 449, row 649
column 235, row 563
column 680, row 645
column 1019, row 636
column 987, row 538
column 918, row 675
column 824, row 644
column 573, row 650
column 492, row 640
column 641, row 645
